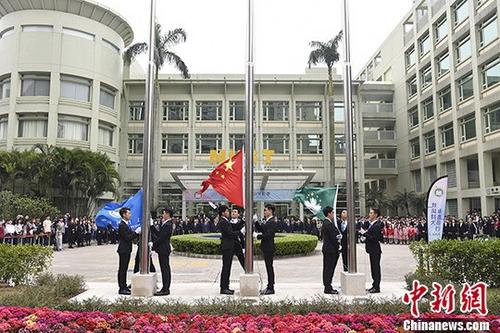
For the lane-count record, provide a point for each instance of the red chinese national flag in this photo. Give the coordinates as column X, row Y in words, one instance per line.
column 227, row 179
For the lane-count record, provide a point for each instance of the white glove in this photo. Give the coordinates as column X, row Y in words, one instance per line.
column 339, row 237
column 151, row 222
column 150, row 244
column 254, row 235
column 138, row 230
column 242, row 230
column 255, row 218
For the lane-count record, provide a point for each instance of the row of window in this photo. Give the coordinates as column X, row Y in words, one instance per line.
column 487, row 31
column 69, row 128
column 65, row 30
column 213, row 110
column 280, row 143
column 467, row 131
column 72, row 87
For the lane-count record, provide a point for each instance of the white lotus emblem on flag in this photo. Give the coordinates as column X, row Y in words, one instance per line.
column 115, row 213
column 313, row 205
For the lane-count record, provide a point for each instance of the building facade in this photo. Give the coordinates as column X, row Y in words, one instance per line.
column 444, row 62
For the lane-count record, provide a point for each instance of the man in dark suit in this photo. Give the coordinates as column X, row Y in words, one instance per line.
column 137, row 263
column 343, row 242
column 373, row 236
column 331, row 247
column 237, row 224
column 268, row 230
column 161, row 244
column 229, row 238
column 125, row 238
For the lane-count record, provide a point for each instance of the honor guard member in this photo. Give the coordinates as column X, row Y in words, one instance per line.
column 268, row 230
column 161, row 244
column 331, row 247
column 373, row 236
column 125, row 238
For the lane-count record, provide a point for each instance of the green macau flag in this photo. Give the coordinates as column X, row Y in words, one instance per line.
column 316, row 198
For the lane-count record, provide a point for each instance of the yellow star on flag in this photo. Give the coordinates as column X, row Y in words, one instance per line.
column 229, row 164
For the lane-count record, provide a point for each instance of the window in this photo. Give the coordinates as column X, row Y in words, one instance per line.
column 447, row 139
column 411, row 57
column 424, row 44
column 35, row 85
column 426, row 76
column 207, row 142
column 413, row 117
column 491, row 73
column 414, row 148
column 464, row 50
column 473, row 173
column 277, row 142
column 37, row 28
column 174, row 144
column 237, row 110
column 340, row 144
column 73, row 128
column 276, row 111
column 465, row 87
column 432, row 173
column 135, row 143
column 468, row 127
column 428, row 108
column 7, row 32
column 492, row 118
column 441, row 29
column 309, row 144
column 136, row 111
column 106, row 135
column 5, row 88
column 338, row 112
column 209, row 110
column 444, row 99
column 460, row 12
column 412, row 87
column 76, row 88
column 107, row 97
column 110, row 45
column 417, row 180
column 175, row 110
column 430, row 142
column 488, row 31
column 308, row 111
column 452, row 173
column 77, row 33
column 3, row 128
column 32, row 127
column 236, row 141
column 443, row 64
column 377, row 60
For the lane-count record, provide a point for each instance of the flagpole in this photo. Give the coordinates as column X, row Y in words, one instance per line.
column 147, row 172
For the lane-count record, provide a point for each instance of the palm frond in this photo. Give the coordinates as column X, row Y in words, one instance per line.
column 174, row 59
column 133, row 51
column 174, row 37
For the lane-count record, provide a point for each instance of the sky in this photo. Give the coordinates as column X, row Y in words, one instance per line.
column 216, row 30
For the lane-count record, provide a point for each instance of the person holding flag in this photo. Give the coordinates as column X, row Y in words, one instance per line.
column 331, row 246
column 268, row 230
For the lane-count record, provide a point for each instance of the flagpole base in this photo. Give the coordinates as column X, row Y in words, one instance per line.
column 352, row 284
column 249, row 285
column 144, row 285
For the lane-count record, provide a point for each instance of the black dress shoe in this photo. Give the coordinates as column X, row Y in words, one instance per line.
column 226, row 291
column 373, row 291
column 124, row 292
column 162, row 293
column 267, row 291
column 332, row 292
column 231, row 290
column 129, row 286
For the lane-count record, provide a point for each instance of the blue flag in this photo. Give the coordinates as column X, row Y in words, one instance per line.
column 110, row 213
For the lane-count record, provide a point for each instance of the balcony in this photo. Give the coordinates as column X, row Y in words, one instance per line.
column 376, row 167
column 382, row 138
column 378, row 114
column 408, row 36
column 385, row 109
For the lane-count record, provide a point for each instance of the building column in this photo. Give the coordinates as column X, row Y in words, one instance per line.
column 184, row 208
column 301, row 212
column 52, row 120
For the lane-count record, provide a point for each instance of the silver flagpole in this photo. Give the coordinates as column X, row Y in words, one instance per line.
column 249, row 129
column 351, row 218
column 147, row 145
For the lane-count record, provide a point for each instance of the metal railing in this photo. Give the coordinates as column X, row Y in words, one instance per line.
column 378, row 107
column 380, row 164
column 380, row 135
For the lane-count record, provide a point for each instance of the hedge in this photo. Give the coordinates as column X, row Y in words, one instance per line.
column 20, row 264
column 12, row 205
column 286, row 244
column 458, row 261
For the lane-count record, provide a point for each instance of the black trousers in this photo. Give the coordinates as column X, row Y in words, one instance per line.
column 166, row 276
column 268, row 259
column 344, row 258
column 238, row 251
column 227, row 261
column 137, row 262
column 329, row 263
column 375, row 269
column 122, row 269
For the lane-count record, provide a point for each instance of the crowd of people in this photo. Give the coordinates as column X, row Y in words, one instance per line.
column 83, row 231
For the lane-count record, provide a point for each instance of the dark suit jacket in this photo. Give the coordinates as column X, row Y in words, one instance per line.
column 344, row 234
column 330, row 241
column 228, row 236
column 161, row 242
column 268, row 230
column 373, row 238
column 125, row 238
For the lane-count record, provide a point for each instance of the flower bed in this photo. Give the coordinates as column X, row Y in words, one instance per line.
column 14, row 319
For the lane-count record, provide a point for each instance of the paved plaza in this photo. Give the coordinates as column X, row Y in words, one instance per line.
column 297, row 277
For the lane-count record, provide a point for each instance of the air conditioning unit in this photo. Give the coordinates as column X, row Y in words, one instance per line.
column 493, row 191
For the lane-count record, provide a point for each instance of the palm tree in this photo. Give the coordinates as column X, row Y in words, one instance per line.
column 375, row 197
column 419, row 203
column 328, row 54
column 405, row 199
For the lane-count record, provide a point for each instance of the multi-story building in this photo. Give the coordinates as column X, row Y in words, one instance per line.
column 444, row 62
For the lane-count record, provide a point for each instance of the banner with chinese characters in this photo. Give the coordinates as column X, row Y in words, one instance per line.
column 264, row 195
column 436, row 207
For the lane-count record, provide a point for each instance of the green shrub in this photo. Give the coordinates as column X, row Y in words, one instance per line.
column 22, row 263
column 12, row 205
column 286, row 244
column 457, row 261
